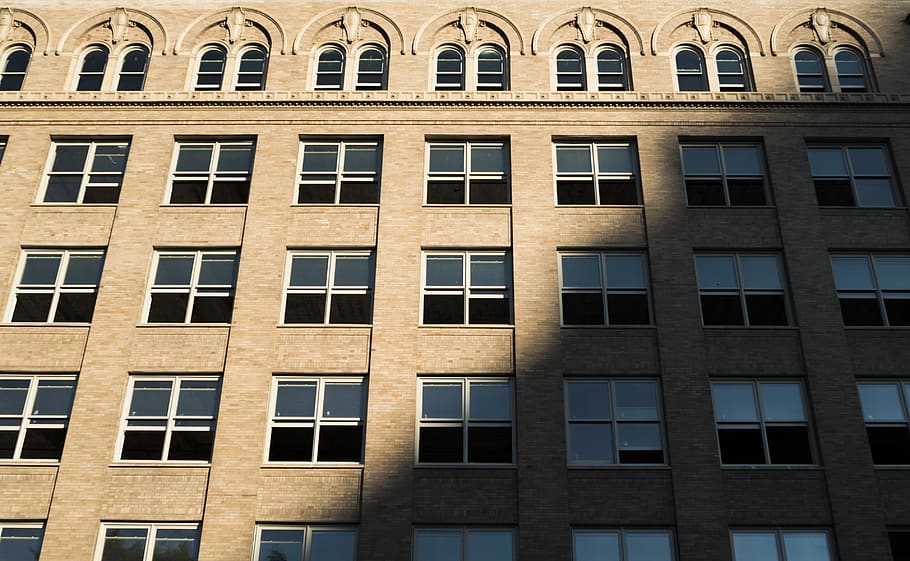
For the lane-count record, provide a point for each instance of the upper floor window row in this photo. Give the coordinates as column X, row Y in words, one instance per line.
column 606, row 70
column 726, row 69
column 847, row 66
column 130, row 66
column 246, row 69
column 483, row 69
column 369, row 71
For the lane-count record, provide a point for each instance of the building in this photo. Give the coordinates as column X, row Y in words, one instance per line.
column 437, row 282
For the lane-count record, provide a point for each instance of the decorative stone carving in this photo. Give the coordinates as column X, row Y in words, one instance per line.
column 586, row 21
column 119, row 24
column 821, row 24
column 7, row 23
column 350, row 24
column 468, row 21
column 703, row 22
column 234, row 23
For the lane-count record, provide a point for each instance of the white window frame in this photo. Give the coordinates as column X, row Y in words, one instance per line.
column 465, row 534
column 465, row 289
column 383, row 75
column 473, row 83
column 122, row 58
column 86, row 173
column 193, row 289
column 28, row 418
column 861, row 60
column 583, row 80
column 596, row 175
column 704, row 68
column 58, row 287
column 340, row 175
column 724, row 176
column 467, row 175
column 624, row 61
column 622, row 534
column 238, row 61
column 212, row 175
column 343, row 72
column 197, row 68
column 152, row 533
column 746, row 84
column 171, row 426
column 328, row 289
column 604, row 290
column 317, row 421
column 779, row 534
column 825, row 73
column 309, row 530
column 466, row 422
column 77, row 75
column 742, row 292
column 5, row 60
column 463, row 85
column 25, row 525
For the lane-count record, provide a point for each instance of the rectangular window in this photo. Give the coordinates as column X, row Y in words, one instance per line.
column 613, row 422
column 56, row 286
column 885, row 410
column 762, row 422
column 34, row 415
column 85, row 172
column 475, row 173
column 170, row 419
column 464, row 544
column 724, row 174
column 742, row 289
column 216, row 172
column 148, row 542
column 623, row 545
column 329, row 287
column 192, row 287
column 465, row 421
column 853, row 175
column 317, row 419
column 873, row 289
column 305, row 543
column 597, row 173
column 21, row 542
column 603, row 289
column 339, row 172
column 775, row 544
column 479, row 293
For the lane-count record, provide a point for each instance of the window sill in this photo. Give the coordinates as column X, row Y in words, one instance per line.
column 849, row 208
column 467, row 466
column 203, row 205
column 638, row 206
column 467, row 205
column 608, row 327
column 75, row 205
column 334, row 205
column 887, row 467
column 159, row 464
column 43, row 324
column 325, row 325
column 182, row 325
column 740, row 208
column 751, row 327
column 619, row 467
column 312, row 465
column 7, row 463
column 882, row 328
column 468, row 325
column 772, row 467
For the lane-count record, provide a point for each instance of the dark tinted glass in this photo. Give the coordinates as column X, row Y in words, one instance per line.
column 582, row 309
column 441, row 444
column 340, row 443
column 789, row 445
column 721, row 310
column 32, row 307
column 890, row 445
column 489, row 311
column 212, row 309
column 741, row 446
column 291, row 444
column 142, row 445
column 43, row 444
column 443, row 308
column 75, row 307
column 191, row 445
column 618, row 192
column 861, row 311
column 350, row 308
column 490, row 444
column 168, row 308
column 628, row 309
column 305, row 308
column 766, row 309
column 575, row 192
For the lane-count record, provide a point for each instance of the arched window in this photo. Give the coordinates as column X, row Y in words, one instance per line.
column 14, row 66
column 570, row 70
column 133, row 66
column 611, row 70
column 371, row 70
column 491, row 69
column 450, row 70
column 91, row 72
column 330, row 69
column 851, row 72
column 731, row 71
column 810, row 71
column 690, row 71
column 251, row 72
column 211, row 69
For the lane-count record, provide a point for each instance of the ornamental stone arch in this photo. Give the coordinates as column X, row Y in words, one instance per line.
column 353, row 26
column 117, row 28
column 706, row 27
column 23, row 28
column 466, row 26
column 235, row 28
column 586, row 26
column 827, row 29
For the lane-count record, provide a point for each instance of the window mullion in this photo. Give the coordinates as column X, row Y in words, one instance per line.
column 741, row 288
column 86, row 171
column 213, row 171
column 466, row 164
column 194, row 285
column 317, row 418
column 602, row 260
column 26, row 416
column 465, row 421
column 339, row 168
column 329, row 276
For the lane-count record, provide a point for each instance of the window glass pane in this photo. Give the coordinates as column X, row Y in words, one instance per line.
column 893, row 272
column 648, row 546
column 625, row 271
column 573, row 159
column 109, row 158
column 489, row 546
column 283, row 545
column 874, row 192
column 868, row 160
column 781, row 402
column 352, row 271
column 83, row 269
column 150, row 398
column 134, row 61
column 701, row 160
column 20, row 544
column 320, row 158
column 447, row 159
column 198, row 398
column 124, row 544
column 881, row 402
column 332, row 545
column 753, row 546
column 760, row 272
column 54, row 397
column 488, row 270
column 687, row 60
column 309, row 271
column 806, row 546
column 342, row 400
column 580, row 271
column 441, row 400
column 490, row 400
column 637, row 436
column 175, row 545
column 296, row 399
column 591, row 442
column 597, row 546
column 174, row 270
column 194, row 157
column 70, row 157
column 217, row 270
column 614, row 159
column 636, row 400
column 235, row 158
column 361, row 158
column 12, row 396
column 827, row 162
column 734, row 402
column 95, row 61
column 588, row 400
column 487, row 159
column 716, row 271
column 40, row 269
column 852, row 273
column 438, row 545
column 445, row 270
column 742, row 160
